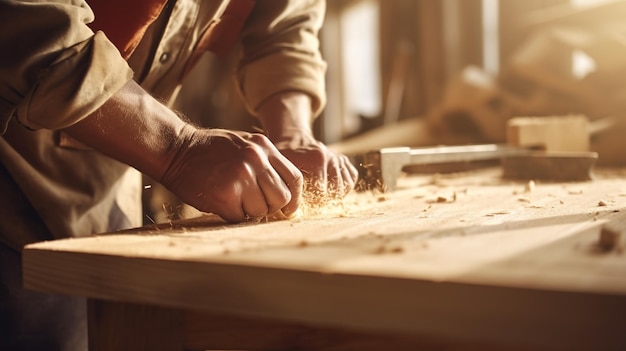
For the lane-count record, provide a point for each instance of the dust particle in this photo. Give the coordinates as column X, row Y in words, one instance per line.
column 530, row 186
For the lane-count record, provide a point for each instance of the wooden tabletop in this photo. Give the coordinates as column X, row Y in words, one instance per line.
column 466, row 256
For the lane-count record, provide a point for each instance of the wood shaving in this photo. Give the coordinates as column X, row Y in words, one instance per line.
column 497, row 213
column 384, row 249
column 442, row 199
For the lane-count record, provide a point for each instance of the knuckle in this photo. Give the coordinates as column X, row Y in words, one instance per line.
column 318, row 155
column 260, row 139
column 282, row 199
column 253, row 152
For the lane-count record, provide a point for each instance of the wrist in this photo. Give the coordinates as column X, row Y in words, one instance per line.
column 286, row 116
column 134, row 128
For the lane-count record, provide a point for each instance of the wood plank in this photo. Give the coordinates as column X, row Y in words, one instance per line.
column 455, row 256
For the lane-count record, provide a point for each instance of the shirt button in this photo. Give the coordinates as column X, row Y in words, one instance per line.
column 164, row 57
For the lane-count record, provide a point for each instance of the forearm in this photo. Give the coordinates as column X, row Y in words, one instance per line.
column 237, row 176
column 134, row 128
column 285, row 115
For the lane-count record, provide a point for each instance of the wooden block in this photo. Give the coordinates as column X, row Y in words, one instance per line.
column 558, row 133
column 552, row 166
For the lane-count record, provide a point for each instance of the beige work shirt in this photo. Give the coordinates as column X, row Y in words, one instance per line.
column 55, row 71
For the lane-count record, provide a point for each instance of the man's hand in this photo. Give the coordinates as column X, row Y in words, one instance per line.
column 327, row 174
column 238, row 176
column 286, row 118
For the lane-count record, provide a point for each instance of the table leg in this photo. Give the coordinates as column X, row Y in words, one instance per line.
column 116, row 326
column 207, row 331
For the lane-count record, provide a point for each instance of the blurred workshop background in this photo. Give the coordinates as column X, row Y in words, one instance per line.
column 423, row 72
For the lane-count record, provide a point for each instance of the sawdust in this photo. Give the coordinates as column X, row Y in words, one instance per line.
column 497, row 213
column 318, row 203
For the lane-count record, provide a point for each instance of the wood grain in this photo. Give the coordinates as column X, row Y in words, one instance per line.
column 465, row 257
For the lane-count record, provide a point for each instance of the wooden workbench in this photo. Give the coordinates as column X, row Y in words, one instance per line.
column 458, row 262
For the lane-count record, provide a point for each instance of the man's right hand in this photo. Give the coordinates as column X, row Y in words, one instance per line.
column 236, row 175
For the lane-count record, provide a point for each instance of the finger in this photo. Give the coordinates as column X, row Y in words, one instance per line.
column 349, row 174
column 354, row 173
column 275, row 191
column 230, row 207
column 254, row 201
column 272, row 170
column 291, row 178
column 240, row 199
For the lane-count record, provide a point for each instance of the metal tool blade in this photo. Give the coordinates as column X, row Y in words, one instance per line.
column 381, row 168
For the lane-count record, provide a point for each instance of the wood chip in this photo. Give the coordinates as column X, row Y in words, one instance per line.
column 609, row 240
column 611, row 234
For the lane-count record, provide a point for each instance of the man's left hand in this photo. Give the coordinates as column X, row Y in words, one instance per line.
column 286, row 119
column 327, row 174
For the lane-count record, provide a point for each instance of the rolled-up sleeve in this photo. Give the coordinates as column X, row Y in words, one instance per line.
column 54, row 70
column 281, row 52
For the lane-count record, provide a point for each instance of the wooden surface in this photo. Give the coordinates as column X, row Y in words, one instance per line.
column 466, row 257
